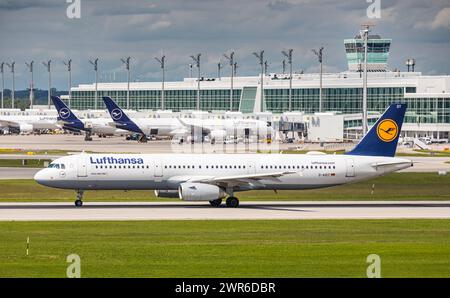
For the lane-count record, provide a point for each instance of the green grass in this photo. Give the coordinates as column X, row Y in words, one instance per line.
column 289, row 248
column 29, row 163
column 397, row 186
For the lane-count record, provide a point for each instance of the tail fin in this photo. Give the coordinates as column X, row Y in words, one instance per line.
column 382, row 138
column 119, row 117
column 66, row 116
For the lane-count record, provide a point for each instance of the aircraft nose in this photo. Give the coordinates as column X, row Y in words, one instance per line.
column 41, row 177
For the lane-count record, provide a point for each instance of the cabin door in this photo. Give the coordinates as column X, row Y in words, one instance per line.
column 81, row 166
column 350, row 172
column 157, row 168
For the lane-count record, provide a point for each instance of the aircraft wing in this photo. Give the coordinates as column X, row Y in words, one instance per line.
column 199, row 127
column 9, row 123
column 248, row 179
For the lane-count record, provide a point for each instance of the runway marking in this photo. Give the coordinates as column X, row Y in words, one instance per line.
column 200, row 211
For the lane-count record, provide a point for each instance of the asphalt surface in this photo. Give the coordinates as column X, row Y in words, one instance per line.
column 202, row 210
column 17, row 173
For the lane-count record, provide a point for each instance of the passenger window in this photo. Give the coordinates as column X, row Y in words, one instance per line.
column 63, row 167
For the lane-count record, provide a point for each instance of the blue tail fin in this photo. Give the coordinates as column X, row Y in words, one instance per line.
column 119, row 117
column 65, row 115
column 382, row 138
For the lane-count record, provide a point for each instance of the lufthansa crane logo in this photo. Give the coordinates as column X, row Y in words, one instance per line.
column 387, row 130
column 116, row 114
column 64, row 113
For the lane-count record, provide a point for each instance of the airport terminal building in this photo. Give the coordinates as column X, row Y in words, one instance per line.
column 428, row 97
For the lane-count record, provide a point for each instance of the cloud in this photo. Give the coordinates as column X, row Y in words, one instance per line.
column 39, row 30
column 442, row 19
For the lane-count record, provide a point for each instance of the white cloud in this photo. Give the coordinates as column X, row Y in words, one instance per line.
column 442, row 19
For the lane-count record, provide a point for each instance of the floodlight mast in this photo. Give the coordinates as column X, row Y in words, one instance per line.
column 288, row 54
column 319, row 55
column 260, row 56
column 365, row 34
column 126, row 62
column 30, row 68
column 162, row 63
column 69, row 70
column 230, row 58
column 95, row 64
column 2, row 65
column 47, row 64
column 12, row 67
column 219, row 68
column 197, row 63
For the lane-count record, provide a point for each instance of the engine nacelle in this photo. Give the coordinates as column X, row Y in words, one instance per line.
column 218, row 134
column 200, row 192
column 163, row 193
column 26, row 128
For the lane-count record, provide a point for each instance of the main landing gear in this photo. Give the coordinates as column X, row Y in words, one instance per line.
column 79, row 200
column 232, row 202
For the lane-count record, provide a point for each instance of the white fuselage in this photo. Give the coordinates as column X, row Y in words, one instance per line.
column 35, row 122
column 228, row 127
column 102, row 126
column 168, row 171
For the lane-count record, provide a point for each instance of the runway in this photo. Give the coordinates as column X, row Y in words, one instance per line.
column 17, row 173
column 202, row 211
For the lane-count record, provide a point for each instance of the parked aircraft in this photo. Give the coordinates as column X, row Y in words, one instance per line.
column 213, row 177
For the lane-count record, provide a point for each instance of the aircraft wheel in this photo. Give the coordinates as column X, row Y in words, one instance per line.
column 216, row 203
column 78, row 203
column 232, row 202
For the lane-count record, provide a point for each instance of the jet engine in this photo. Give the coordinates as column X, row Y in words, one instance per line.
column 218, row 135
column 163, row 193
column 200, row 192
column 26, row 128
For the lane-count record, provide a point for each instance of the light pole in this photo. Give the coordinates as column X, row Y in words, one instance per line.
column 126, row 62
column 12, row 67
column 69, row 70
column 365, row 33
column 219, row 68
column 190, row 70
column 162, row 63
column 260, row 56
column 283, row 63
column 230, row 59
column 288, row 55
column 266, row 67
column 95, row 64
column 2, row 65
column 197, row 63
column 48, row 66
column 319, row 55
column 30, row 68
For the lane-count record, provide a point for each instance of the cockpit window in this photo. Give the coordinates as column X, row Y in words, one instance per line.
column 56, row 166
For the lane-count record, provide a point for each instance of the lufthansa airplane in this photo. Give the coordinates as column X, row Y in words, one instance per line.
column 68, row 120
column 213, row 177
column 217, row 129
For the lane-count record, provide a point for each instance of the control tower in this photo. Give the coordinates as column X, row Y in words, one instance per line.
column 377, row 53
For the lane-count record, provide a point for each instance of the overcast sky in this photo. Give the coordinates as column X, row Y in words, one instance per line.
column 40, row 29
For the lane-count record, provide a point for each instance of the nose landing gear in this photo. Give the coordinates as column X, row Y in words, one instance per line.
column 79, row 200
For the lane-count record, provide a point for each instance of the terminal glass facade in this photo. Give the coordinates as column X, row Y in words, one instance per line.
column 344, row 100
column 175, row 100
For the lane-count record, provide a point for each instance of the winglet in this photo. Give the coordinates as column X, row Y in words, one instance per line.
column 382, row 138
